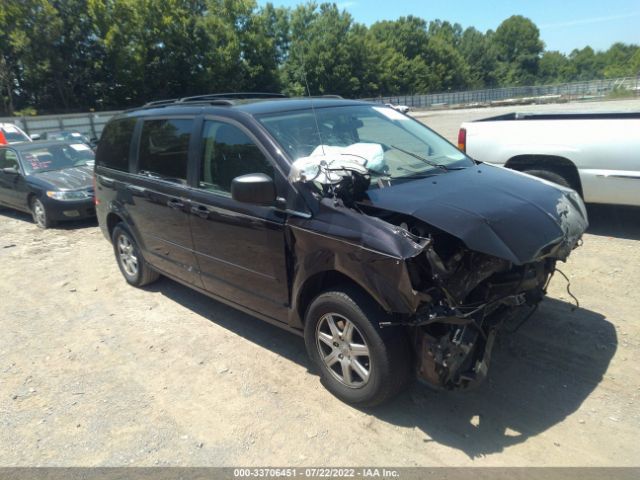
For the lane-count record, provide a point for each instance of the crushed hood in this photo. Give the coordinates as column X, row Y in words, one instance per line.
column 492, row 210
column 75, row 178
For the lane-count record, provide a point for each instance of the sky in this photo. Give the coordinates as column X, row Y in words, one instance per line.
column 564, row 24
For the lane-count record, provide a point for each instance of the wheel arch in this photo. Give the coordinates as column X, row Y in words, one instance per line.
column 112, row 220
column 114, row 217
column 30, row 198
column 321, row 282
column 554, row 163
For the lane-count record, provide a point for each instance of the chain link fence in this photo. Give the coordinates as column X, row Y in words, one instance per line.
column 593, row 89
column 91, row 124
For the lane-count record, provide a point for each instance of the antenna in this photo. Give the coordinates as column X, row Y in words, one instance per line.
column 313, row 109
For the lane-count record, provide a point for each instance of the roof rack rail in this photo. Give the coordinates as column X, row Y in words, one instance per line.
column 159, row 103
column 231, row 96
column 223, row 99
column 332, row 96
column 220, row 102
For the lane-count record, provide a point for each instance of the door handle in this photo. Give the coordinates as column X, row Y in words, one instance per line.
column 175, row 203
column 107, row 180
column 135, row 188
column 201, row 211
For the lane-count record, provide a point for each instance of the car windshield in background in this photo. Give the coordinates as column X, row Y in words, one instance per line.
column 14, row 136
column 391, row 143
column 56, row 157
column 65, row 135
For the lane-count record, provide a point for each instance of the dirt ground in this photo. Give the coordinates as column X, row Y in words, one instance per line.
column 94, row 372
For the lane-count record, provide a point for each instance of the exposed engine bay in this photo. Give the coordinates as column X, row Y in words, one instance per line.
column 474, row 266
column 467, row 297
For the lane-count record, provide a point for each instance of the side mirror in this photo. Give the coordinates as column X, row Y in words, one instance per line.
column 11, row 170
column 35, row 136
column 255, row 188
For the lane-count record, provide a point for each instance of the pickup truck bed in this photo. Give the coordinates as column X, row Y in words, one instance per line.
column 597, row 154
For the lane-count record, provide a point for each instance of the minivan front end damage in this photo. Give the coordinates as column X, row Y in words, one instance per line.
column 471, row 295
column 462, row 299
column 467, row 296
column 472, row 249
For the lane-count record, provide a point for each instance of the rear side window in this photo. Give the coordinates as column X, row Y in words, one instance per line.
column 8, row 159
column 164, row 148
column 113, row 149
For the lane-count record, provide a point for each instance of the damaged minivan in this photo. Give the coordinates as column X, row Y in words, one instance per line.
column 393, row 253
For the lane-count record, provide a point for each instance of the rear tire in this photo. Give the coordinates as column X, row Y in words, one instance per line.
column 134, row 268
column 40, row 215
column 359, row 362
column 550, row 176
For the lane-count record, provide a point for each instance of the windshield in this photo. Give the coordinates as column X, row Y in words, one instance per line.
column 56, row 157
column 13, row 135
column 63, row 135
column 392, row 144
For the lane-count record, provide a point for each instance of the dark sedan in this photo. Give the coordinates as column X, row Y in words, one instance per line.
column 52, row 180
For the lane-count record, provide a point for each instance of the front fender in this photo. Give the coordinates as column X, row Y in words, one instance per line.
column 370, row 252
column 383, row 277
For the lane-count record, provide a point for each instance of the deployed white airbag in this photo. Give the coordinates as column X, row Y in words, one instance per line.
column 327, row 163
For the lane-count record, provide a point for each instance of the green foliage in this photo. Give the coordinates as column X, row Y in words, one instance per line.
column 26, row 112
column 481, row 57
column 319, row 51
column 587, row 64
column 65, row 55
column 518, row 46
column 554, row 67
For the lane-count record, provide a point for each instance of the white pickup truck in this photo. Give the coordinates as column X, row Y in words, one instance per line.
column 596, row 154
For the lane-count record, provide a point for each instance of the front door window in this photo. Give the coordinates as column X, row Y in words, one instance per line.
column 228, row 152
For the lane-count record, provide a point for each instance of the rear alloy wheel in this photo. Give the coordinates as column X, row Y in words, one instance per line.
column 133, row 267
column 128, row 257
column 359, row 362
column 40, row 214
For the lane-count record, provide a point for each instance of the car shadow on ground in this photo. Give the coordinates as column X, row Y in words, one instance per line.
column 618, row 221
column 539, row 375
column 66, row 225
column 261, row 333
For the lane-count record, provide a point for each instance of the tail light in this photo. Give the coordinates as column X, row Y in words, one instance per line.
column 462, row 139
column 95, row 191
column 3, row 140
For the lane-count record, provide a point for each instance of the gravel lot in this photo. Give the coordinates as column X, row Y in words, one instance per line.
column 94, row 372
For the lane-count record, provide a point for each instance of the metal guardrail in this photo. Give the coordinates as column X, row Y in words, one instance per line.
column 566, row 91
column 92, row 123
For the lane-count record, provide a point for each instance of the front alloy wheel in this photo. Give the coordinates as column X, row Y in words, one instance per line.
column 343, row 350
column 40, row 214
column 358, row 362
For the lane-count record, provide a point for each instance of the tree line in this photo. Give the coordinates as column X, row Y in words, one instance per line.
column 72, row 55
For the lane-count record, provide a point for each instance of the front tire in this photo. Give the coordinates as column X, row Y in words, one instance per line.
column 40, row 215
column 132, row 265
column 550, row 176
column 359, row 362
